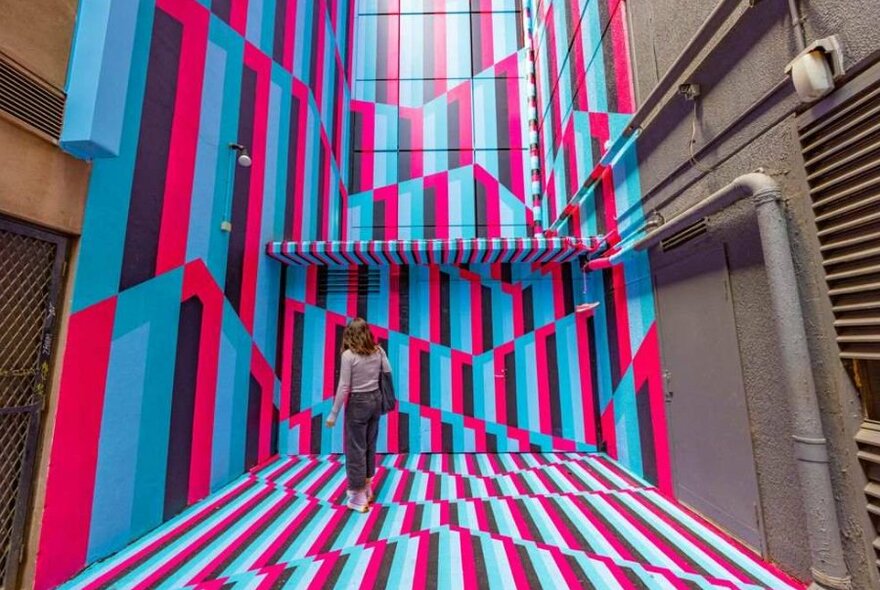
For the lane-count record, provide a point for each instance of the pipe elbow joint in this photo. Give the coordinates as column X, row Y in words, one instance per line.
column 761, row 187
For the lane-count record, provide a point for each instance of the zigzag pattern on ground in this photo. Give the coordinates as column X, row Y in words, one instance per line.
column 460, row 521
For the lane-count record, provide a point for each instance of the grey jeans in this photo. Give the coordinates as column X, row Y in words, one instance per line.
column 362, row 415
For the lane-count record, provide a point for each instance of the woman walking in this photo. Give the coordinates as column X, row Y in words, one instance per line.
column 362, row 362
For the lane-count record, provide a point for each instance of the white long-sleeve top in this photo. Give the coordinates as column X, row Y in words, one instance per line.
column 358, row 374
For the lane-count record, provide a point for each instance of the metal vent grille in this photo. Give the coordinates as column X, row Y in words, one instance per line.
column 682, row 237
column 840, row 139
column 842, row 155
column 29, row 100
column 360, row 280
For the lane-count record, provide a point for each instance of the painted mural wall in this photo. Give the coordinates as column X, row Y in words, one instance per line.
column 486, row 357
column 168, row 385
column 585, row 98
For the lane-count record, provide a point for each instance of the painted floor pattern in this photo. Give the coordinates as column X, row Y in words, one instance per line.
column 528, row 520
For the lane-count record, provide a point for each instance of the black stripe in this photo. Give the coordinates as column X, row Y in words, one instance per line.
column 403, row 291
column 154, row 144
column 403, row 432
column 467, row 389
column 316, row 60
column 608, row 57
column 252, row 442
column 315, row 442
column 278, row 41
column 553, row 385
column 425, row 378
column 296, row 362
column 594, row 382
column 445, row 313
column 323, row 171
column 611, row 327
column 446, row 437
column 385, row 567
column 481, row 207
column 222, row 8
column 502, row 116
column 476, row 44
column 528, row 304
column 567, row 287
column 379, row 229
column 376, row 530
column 363, row 280
column 429, row 212
column 241, row 188
column 528, row 567
column 433, row 541
column 646, row 433
column 334, row 574
column 183, row 407
column 296, row 140
column 480, row 572
column 486, row 304
column 510, row 388
column 579, row 573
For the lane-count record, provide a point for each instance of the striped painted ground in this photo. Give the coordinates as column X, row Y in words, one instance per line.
column 529, row 520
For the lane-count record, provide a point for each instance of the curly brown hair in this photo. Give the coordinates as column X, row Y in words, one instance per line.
column 358, row 338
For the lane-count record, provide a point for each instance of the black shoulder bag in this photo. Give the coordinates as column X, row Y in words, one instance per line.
column 387, row 399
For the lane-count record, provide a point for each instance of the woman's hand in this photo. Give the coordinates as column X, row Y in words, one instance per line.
column 331, row 422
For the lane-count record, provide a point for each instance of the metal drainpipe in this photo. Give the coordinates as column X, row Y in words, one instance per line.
column 828, row 567
column 797, row 23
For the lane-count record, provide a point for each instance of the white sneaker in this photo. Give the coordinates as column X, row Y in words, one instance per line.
column 357, row 501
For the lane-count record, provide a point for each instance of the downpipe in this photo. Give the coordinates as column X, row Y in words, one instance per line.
column 828, row 567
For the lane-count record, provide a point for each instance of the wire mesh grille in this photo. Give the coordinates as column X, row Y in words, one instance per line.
column 26, row 266
column 14, row 428
column 29, row 273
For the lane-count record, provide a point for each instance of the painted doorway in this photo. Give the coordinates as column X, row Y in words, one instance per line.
column 710, row 441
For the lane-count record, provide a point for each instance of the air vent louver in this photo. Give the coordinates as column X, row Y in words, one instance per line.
column 29, row 100
column 682, row 237
column 842, row 155
column 841, row 146
column 361, row 280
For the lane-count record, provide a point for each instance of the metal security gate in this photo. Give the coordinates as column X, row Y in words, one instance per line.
column 31, row 267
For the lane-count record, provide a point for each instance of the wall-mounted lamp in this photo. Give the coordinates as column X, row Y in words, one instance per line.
column 244, row 158
column 815, row 70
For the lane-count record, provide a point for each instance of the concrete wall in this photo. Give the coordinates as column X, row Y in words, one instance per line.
column 742, row 67
column 38, row 182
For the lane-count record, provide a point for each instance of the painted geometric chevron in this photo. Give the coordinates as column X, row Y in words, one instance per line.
column 530, row 520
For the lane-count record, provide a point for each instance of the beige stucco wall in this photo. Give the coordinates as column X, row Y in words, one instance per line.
column 40, row 183
column 37, row 35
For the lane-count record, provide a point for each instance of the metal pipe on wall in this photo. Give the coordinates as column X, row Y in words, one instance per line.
column 685, row 59
column 828, row 567
column 797, row 23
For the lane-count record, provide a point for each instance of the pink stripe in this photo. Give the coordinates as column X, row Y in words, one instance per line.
column 197, row 281
column 67, row 511
column 238, row 16
column 619, row 42
column 289, row 28
column 184, row 132
column 371, row 575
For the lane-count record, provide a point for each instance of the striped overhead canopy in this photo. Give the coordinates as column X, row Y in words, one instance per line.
column 538, row 250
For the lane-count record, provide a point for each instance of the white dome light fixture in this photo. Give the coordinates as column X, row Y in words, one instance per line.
column 815, row 69
column 244, row 158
